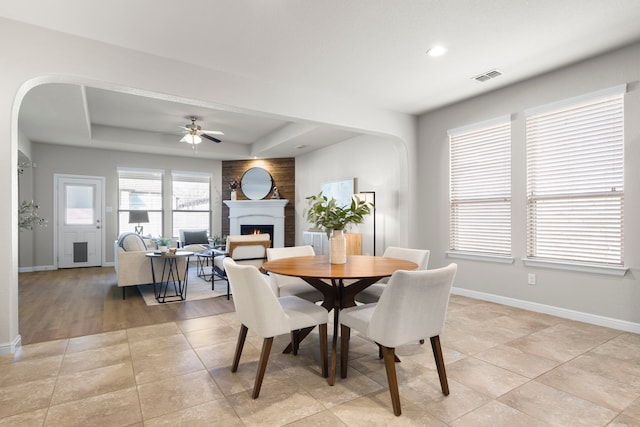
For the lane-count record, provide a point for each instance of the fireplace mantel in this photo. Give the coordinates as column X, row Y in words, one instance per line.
column 258, row 212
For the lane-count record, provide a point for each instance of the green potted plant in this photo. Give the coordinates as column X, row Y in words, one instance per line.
column 162, row 243
column 325, row 214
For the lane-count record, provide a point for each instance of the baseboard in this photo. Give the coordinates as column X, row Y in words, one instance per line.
column 593, row 319
column 10, row 348
column 36, row 268
column 51, row 267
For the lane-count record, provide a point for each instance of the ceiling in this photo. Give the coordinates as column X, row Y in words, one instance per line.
column 371, row 51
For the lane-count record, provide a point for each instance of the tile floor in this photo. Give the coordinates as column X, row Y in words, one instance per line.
column 506, row 367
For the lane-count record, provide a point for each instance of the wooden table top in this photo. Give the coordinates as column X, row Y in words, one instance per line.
column 357, row 267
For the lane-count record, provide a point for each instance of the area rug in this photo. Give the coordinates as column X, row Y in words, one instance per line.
column 197, row 289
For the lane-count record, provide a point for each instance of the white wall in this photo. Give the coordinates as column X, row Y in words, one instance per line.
column 378, row 165
column 590, row 295
column 40, row 56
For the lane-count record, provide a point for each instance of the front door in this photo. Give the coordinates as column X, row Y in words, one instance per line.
column 79, row 220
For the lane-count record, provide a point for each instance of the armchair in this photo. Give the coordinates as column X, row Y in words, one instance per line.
column 244, row 249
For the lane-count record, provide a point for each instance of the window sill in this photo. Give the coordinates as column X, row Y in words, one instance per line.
column 502, row 259
column 575, row 266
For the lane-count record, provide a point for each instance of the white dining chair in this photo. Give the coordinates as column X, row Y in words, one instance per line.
column 420, row 256
column 268, row 316
column 290, row 285
column 411, row 307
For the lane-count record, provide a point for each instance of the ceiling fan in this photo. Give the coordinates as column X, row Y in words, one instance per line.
column 194, row 133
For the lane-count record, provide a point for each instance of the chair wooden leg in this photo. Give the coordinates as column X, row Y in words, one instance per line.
column 324, row 348
column 390, row 366
column 239, row 346
column 262, row 366
column 345, row 335
column 437, row 355
column 294, row 342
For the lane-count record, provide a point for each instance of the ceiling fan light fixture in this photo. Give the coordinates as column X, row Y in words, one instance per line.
column 191, row 139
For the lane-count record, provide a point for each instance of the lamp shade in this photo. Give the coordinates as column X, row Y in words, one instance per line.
column 137, row 217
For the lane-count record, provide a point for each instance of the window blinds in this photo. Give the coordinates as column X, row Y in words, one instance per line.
column 191, row 201
column 575, row 180
column 480, row 188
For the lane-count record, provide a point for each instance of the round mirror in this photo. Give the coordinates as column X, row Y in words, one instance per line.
column 256, row 183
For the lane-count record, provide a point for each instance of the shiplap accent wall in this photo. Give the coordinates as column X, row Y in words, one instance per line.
column 283, row 172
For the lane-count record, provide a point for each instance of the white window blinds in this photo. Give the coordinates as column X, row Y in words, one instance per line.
column 140, row 189
column 191, row 201
column 480, row 188
column 575, row 178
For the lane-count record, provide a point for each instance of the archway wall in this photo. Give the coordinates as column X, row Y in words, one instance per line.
column 37, row 56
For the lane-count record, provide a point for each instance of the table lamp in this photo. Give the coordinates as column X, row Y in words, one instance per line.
column 137, row 217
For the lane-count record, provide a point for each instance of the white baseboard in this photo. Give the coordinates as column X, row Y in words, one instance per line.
column 51, row 267
column 10, row 347
column 36, row 268
column 593, row 319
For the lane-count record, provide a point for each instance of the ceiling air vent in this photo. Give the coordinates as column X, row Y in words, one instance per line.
column 487, row 76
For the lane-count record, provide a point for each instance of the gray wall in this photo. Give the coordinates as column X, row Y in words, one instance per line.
column 59, row 159
column 377, row 164
column 593, row 297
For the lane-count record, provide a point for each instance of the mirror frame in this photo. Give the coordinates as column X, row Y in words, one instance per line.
column 256, row 183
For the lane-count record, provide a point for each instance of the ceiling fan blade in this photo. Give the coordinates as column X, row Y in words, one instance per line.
column 213, row 132
column 209, row 137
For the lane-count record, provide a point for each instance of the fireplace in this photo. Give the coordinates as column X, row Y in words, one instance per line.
column 257, row 229
column 258, row 214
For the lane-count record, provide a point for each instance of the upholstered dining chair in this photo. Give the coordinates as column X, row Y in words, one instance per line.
column 412, row 306
column 250, row 249
column 267, row 316
column 289, row 285
column 419, row 256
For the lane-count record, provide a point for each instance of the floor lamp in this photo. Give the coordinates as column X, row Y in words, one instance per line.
column 370, row 197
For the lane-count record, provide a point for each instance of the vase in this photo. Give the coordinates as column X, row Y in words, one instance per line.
column 338, row 247
column 234, row 196
column 163, row 249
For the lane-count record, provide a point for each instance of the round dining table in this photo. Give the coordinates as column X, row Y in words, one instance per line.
column 339, row 283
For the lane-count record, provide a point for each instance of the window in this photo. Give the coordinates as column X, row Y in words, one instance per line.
column 191, row 201
column 480, row 188
column 575, row 178
column 140, row 190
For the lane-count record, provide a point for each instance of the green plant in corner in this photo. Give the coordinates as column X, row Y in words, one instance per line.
column 328, row 216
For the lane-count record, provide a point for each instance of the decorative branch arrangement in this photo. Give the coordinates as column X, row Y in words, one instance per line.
column 28, row 216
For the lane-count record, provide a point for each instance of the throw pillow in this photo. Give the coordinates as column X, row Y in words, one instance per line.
column 133, row 242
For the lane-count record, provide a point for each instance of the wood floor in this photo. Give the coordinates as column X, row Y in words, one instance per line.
column 83, row 301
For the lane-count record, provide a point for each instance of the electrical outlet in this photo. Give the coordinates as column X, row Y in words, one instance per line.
column 531, row 279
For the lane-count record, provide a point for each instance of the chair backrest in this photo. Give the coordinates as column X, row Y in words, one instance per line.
column 419, row 256
column 190, row 237
column 249, row 249
column 256, row 306
column 278, row 280
column 412, row 306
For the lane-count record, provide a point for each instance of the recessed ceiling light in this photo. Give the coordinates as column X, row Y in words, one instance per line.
column 437, row 51
column 300, row 146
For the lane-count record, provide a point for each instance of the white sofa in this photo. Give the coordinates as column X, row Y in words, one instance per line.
column 131, row 263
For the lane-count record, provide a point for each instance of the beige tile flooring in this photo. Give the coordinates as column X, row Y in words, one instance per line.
column 506, row 367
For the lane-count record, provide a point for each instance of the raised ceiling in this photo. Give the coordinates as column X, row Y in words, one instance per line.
column 369, row 51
